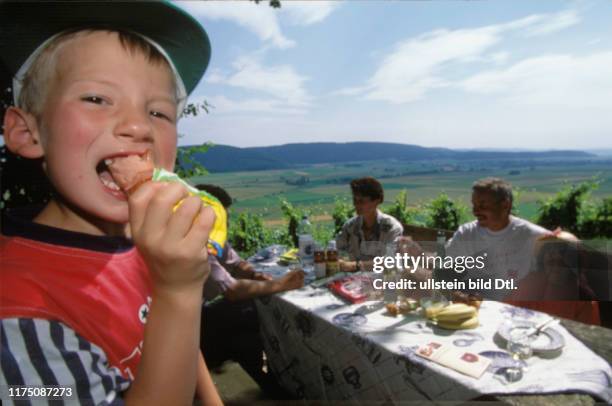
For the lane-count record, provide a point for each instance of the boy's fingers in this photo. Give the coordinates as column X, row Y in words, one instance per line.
column 183, row 217
column 160, row 207
column 138, row 202
column 200, row 229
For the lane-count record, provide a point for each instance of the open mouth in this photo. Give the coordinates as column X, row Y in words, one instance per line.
column 125, row 172
column 105, row 176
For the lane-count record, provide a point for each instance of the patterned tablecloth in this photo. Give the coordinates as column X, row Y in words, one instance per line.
column 322, row 348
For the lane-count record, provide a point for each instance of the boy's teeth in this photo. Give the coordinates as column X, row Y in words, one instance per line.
column 110, row 184
column 108, row 161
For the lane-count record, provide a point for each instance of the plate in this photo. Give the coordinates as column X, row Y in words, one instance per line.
column 549, row 339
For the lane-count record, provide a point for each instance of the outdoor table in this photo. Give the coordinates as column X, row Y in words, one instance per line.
column 322, row 348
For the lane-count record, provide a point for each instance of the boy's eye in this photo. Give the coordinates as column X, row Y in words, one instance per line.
column 161, row 115
column 93, row 99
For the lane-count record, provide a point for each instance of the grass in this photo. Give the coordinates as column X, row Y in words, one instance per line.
column 261, row 191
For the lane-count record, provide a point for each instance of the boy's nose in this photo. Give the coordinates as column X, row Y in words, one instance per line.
column 135, row 124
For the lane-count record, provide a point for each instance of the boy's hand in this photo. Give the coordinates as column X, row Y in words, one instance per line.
column 173, row 243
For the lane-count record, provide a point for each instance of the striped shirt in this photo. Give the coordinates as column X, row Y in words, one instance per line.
column 36, row 352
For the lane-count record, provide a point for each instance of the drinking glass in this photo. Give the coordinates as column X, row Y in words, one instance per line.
column 519, row 346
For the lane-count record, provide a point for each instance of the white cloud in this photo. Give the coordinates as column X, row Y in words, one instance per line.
column 594, row 41
column 281, row 82
column 412, row 69
column 225, row 105
column 421, row 64
column 308, row 12
column 260, row 19
column 554, row 80
column 553, row 23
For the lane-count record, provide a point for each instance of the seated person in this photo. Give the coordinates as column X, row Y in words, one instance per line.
column 367, row 234
column 232, row 325
column 505, row 242
column 563, row 285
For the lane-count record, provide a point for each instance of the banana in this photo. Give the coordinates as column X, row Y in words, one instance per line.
column 459, row 325
column 290, row 255
column 456, row 312
column 432, row 311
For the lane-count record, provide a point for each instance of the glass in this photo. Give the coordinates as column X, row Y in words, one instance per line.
column 519, row 346
column 390, row 275
column 390, row 295
column 519, row 343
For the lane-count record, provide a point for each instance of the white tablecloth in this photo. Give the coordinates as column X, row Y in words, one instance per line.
column 320, row 347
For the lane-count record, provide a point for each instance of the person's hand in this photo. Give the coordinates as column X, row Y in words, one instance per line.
column 347, row 266
column 172, row 243
column 260, row 276
column 405, row 245
column 292, row 280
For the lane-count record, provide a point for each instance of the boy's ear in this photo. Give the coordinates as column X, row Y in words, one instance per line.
column 21, row 134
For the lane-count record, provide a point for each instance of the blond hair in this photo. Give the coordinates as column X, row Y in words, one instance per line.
column 39, row 76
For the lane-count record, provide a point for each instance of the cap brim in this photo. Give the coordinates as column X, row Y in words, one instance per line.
column 24, row 25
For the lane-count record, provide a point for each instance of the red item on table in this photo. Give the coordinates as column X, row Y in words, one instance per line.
column 354, row 288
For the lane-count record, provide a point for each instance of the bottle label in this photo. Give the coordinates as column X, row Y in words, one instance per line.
column 319, row 268
column 332, row 268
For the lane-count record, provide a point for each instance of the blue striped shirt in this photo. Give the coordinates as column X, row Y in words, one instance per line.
column 36, row 352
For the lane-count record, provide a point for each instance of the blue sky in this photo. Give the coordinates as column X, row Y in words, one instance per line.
column 456, row 74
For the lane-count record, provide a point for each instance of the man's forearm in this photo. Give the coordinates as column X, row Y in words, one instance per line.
column 243, row 270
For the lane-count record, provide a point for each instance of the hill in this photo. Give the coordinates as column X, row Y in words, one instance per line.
column 224, row 158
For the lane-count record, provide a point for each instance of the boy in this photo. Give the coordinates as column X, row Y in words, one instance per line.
column 81, row 307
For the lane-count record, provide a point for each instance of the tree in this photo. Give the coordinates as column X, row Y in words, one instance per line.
column 400, row 210
column 444, row 213
column 247, row 233
column 342, row 212
column 293, row 216
column 272, row 3
column 187, row 165
column 563, row 209
column 597, row 222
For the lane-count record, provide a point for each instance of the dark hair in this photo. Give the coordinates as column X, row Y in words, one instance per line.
column 498, row 187
column 218, row 192
column 368, row 187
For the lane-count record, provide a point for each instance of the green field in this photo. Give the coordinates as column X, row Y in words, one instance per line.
column 317, row 187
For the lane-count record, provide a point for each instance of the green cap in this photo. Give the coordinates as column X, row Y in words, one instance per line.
column 26, row 25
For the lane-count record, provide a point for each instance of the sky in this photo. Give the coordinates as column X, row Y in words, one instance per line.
column 455, row 74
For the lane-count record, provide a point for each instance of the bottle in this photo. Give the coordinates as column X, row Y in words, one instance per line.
column 390, row 275
column 305, row 241
column 331, row 264
column 441, row 243
column 319, row 262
